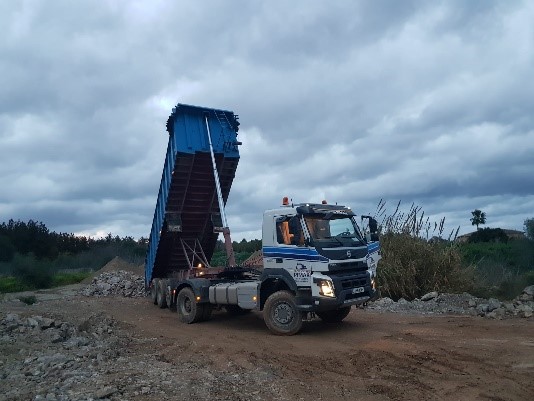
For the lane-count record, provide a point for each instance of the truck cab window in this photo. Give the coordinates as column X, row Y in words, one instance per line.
column 338, row 228
column 289, row 231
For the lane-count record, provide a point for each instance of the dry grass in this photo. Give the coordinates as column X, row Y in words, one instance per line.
column 416, row 259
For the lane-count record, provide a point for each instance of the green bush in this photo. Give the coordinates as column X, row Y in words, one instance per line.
column 7, row 249
column 12, row 284
column 33, row 273
column 411, row 267
column 501, row 270
column 28, row 300
column 529, row 228
column 219, row 258
column 488, row 235
column 61, row 279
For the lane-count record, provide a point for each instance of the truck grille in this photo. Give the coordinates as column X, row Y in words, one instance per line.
column 353, row 283
column 356, row 267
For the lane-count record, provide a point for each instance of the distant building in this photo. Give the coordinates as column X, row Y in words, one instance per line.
column 512, row 234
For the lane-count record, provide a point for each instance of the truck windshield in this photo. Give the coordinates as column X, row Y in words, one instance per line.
column 334, row 228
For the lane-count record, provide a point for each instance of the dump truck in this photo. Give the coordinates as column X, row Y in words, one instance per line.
column 316, row 259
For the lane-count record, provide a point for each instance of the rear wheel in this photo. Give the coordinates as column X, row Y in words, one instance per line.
column 188, row 309
column 334, row 316
column 161, row 297
column 154, row 291
column 281, row 314
column 169, row 298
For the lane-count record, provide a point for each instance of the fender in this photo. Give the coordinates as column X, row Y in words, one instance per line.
column 200, row 287
column 280, row 274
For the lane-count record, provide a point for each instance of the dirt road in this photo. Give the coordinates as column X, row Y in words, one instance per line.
column 371, row 356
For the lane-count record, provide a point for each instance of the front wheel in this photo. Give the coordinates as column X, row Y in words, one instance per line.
column 334, row 316
column 281, row 314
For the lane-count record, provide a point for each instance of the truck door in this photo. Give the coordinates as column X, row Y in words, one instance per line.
column 289, row 251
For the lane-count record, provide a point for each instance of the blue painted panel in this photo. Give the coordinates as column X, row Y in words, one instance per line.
column 187, row 127
column 188, row 134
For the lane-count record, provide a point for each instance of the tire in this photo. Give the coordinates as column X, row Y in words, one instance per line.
column 161, row 297
column 154, row 290
column 188, row 309
column 281, row 314
column 236, row 310
column 334, row 316
column 169, row 299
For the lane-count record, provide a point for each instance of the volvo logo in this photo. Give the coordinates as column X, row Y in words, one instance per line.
column 349, row 254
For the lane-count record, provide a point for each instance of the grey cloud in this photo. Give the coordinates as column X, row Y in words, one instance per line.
column 349, row 101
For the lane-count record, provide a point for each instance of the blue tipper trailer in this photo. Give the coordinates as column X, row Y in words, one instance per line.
column 187, row 218
column 316, row 259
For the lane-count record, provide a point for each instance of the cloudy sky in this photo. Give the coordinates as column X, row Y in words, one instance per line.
column 349, row 101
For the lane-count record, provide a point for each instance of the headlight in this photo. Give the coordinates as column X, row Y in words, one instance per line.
column 326, row 288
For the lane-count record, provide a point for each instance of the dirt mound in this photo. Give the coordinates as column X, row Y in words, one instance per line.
column 117, row 264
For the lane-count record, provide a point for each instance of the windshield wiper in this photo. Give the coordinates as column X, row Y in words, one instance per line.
column 337, row 239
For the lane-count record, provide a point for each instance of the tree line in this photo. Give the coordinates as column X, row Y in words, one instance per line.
column 243, row 246
column 33, row 237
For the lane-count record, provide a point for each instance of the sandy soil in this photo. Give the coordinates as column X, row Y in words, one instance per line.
column 370, row 356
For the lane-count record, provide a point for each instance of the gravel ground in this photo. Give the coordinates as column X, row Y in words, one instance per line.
column 102, row 341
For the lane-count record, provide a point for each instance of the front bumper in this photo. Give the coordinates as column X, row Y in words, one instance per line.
column 343, row 298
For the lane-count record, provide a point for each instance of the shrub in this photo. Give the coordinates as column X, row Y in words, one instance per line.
column 33, row 273
column 11, row 284
column 69, row 278
column 488, row 235
column 28, row 300
column 411, row 264
column 502, row 270
column 412, row 267
column 529, row 228
column 7, row 249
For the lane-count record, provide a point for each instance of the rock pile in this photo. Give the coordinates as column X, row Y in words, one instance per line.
column 118, row 282
column 48, row 359
column 463, row 304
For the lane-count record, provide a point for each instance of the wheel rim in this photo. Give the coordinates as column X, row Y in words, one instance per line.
column 186, row 307
column 283, row 313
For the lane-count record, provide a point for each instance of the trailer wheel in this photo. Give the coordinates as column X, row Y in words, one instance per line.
column 334, row 316
column 188, row 309
column 154, row 291
column 281, row 314
column 161, row 291
column 236, row 310
column 169, row 298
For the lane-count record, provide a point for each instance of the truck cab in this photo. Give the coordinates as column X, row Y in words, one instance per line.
column 319, row 252
column 317, row 261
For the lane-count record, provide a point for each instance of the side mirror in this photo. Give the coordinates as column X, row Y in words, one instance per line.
column 373, row 228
